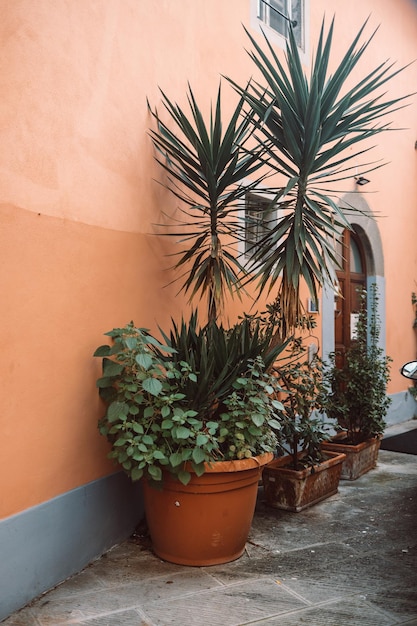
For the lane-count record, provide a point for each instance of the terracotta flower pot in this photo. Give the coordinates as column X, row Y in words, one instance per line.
column 207, row 521
column 295, row 490
column 360, row 458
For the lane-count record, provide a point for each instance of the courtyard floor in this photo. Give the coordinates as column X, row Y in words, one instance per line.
column 350, row 560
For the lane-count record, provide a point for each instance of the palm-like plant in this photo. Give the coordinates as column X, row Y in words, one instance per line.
column 220, row 356
column 306, row 125
column 208, row 170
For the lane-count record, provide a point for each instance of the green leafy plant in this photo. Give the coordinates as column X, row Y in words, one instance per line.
column 164, row 414
column 302, row 425
column 356, row 392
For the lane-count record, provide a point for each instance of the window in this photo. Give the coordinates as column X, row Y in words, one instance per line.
column 260, row 217
column 356, row 264
column 278, row 14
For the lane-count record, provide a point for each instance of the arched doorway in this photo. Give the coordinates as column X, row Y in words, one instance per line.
column 352, row 278
column 367, row 238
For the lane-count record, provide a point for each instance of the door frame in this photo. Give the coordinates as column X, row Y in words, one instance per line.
column 367, row 231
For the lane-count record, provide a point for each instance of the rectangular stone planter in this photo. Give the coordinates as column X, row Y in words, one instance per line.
column 293, row 490
column 360, row 458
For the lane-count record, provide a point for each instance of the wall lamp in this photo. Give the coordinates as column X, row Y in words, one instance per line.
column 360, row 180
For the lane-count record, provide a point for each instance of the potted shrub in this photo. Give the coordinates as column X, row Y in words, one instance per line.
column 306, row 474
column 356, row 393
column 198, row 425
column 192, row 414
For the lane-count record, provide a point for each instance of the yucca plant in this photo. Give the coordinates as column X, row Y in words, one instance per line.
column 306, row 124
column 208, row 167
column 219, row 355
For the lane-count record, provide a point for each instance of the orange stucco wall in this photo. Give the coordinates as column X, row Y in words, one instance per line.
column 78, row 201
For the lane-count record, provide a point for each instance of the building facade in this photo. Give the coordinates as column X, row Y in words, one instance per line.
column 81, row 253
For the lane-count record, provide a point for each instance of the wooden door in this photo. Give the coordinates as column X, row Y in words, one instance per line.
column 351, row 277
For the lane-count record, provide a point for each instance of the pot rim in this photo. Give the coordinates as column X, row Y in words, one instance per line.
column 239, row 465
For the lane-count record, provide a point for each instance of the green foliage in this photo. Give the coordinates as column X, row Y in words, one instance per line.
column 207, row 393
column 302, row 426
column 356, row 396
column 178, row 407
column 205, row 168
column 311, row 128
column 219, row 356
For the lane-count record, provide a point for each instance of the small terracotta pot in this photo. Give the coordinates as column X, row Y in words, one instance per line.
column 207, row 521
column 360, row 458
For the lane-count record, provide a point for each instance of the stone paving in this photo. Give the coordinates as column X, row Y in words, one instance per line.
column 350, row 560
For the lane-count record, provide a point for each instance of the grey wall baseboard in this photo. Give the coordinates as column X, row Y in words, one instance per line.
column 44, row 545
column 403, row 408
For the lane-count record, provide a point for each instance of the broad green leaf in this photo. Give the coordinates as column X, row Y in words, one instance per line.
column 105, row 381
column 198, row 455
column 148, row 412
column 155, row 472
column 144, row 360
column 102, row 351
column 182, row 432
column 257, row 419
column 111, row 368
column 165, row 411
column 152, row 386
column 184, row 477
column 175, row 459
column 201, row 439
column 131, row 343
column 117, row 411
column 199, row 468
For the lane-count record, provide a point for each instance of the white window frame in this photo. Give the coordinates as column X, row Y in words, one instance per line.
column 259, row 25
column 262, row 196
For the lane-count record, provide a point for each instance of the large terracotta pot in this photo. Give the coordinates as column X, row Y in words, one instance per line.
column 207, row 521
column 360, row 458
column 295, row 490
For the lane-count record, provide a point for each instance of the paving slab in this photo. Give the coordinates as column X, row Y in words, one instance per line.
column 242, row 603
